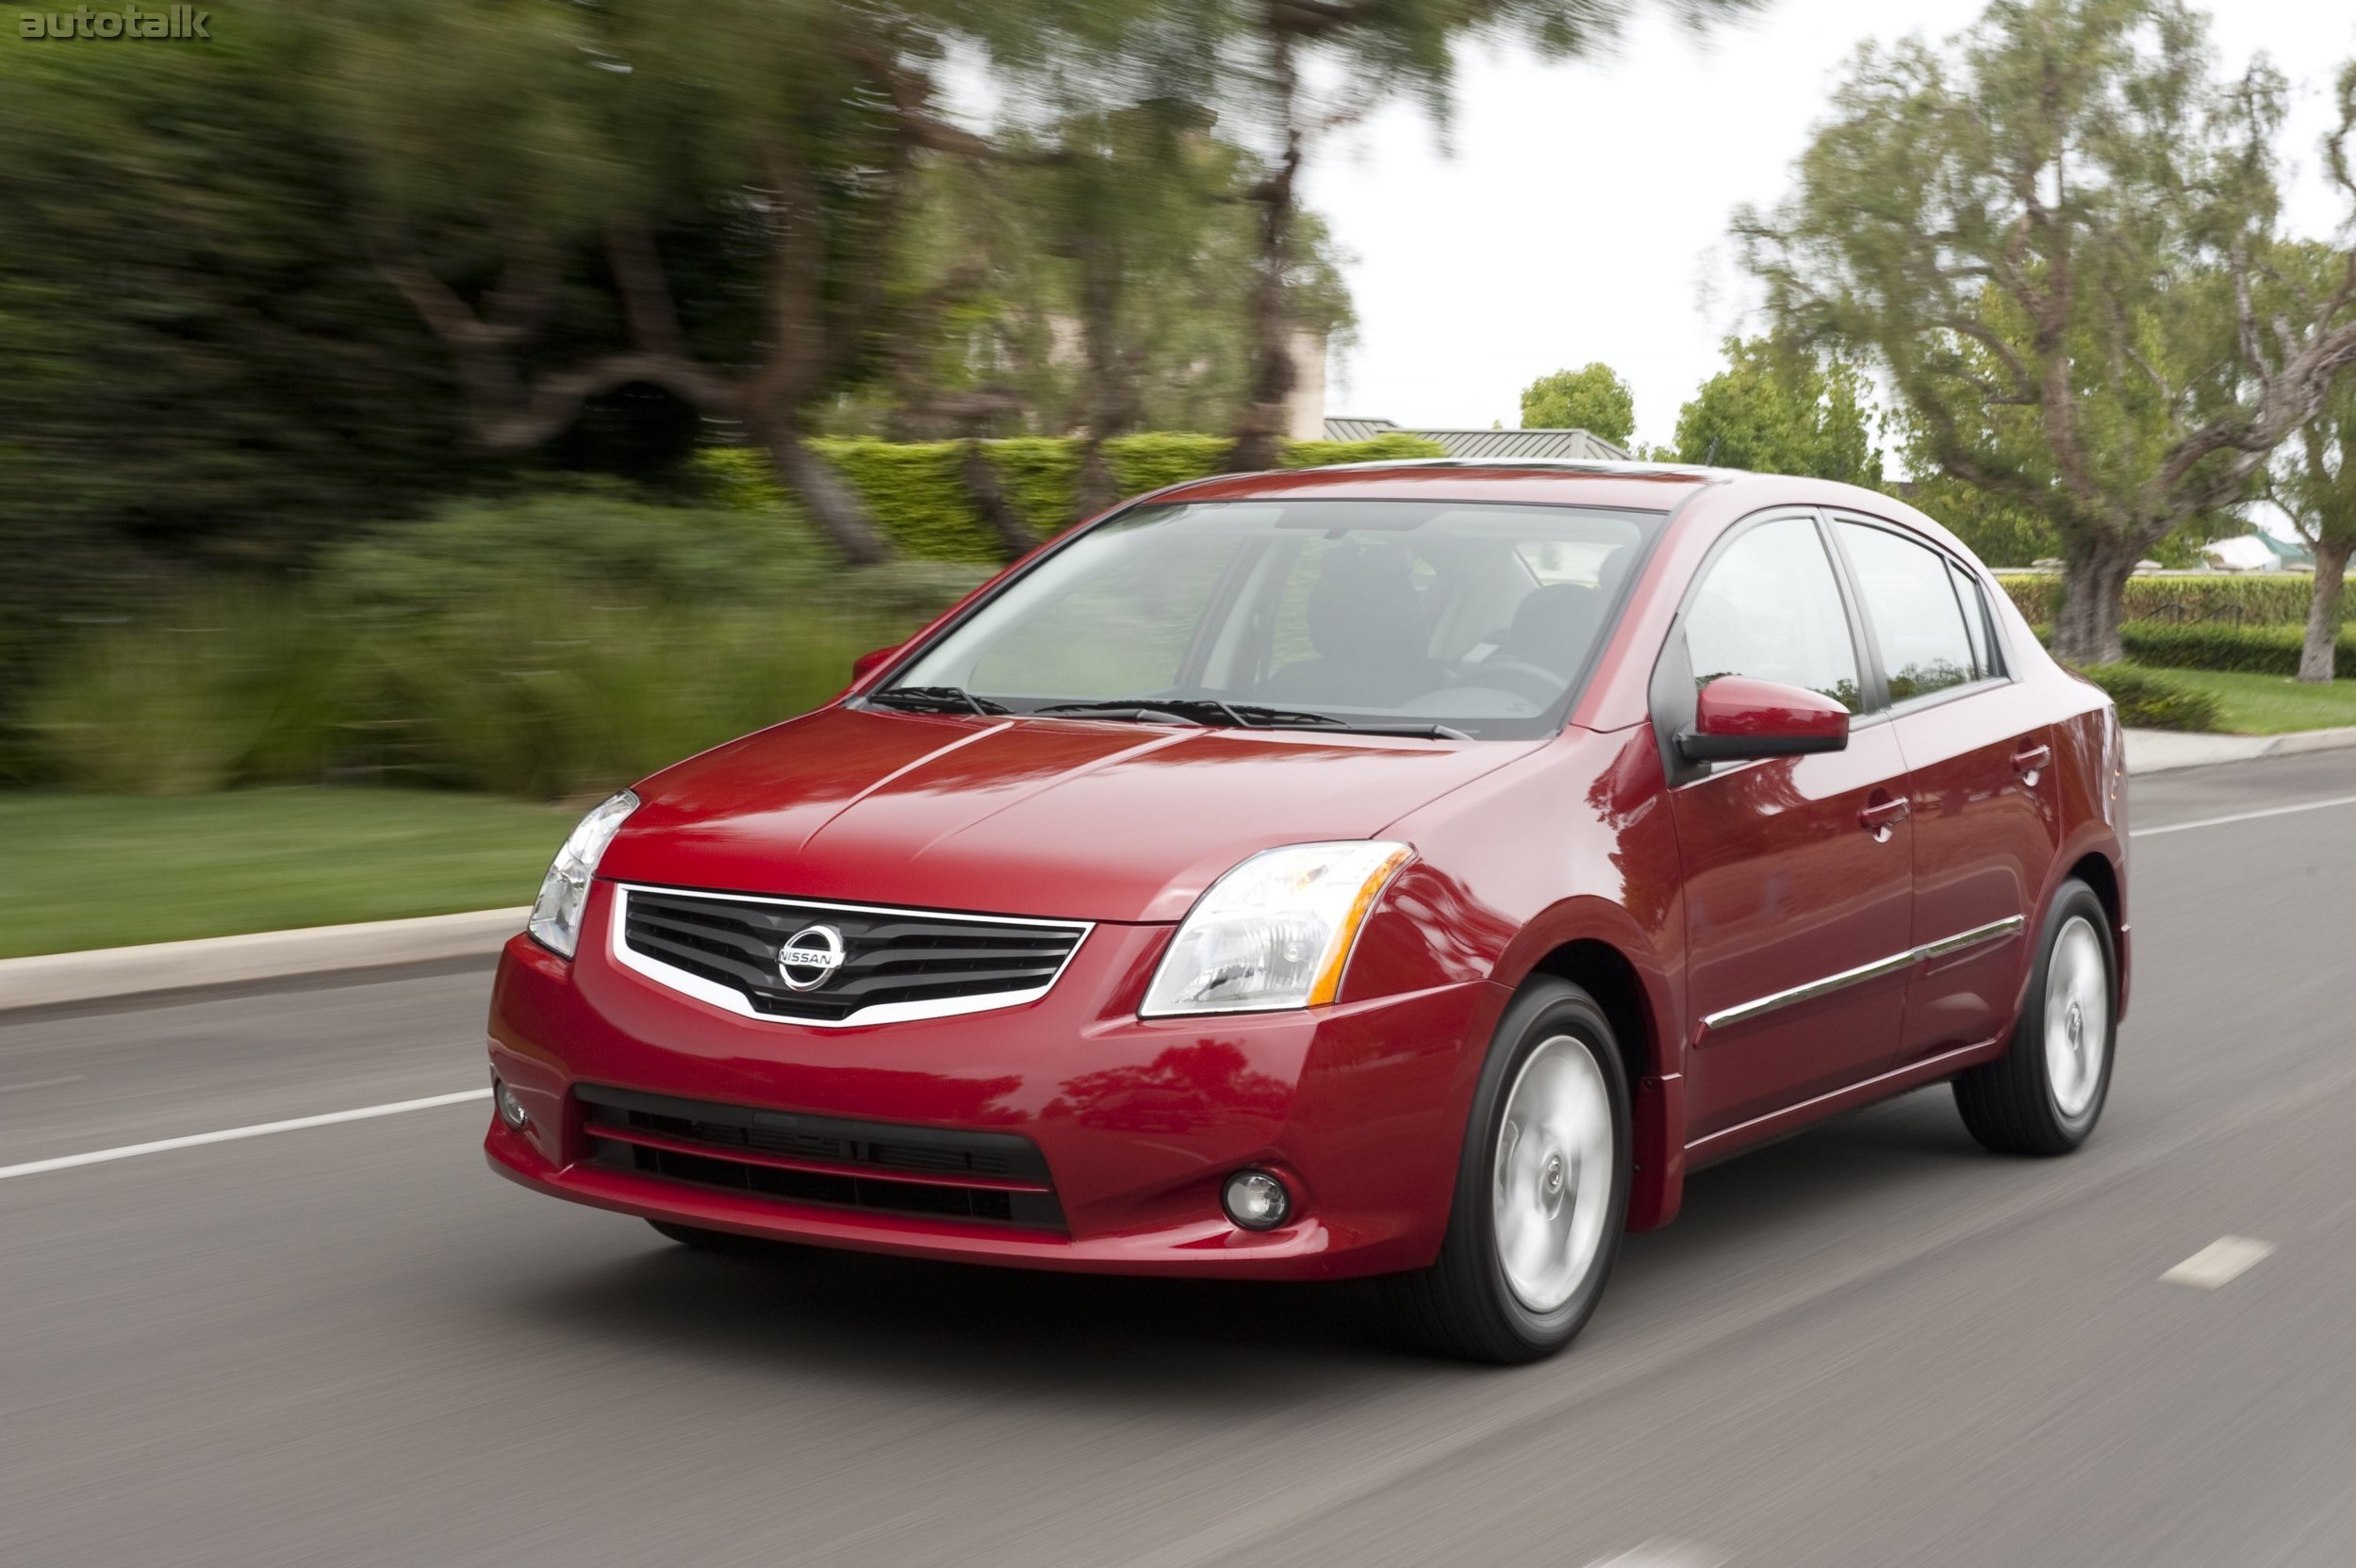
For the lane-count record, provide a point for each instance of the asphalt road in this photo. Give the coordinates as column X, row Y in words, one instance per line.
column 1872, row 1345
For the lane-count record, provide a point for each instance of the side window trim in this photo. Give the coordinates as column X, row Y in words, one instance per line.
column 1873, row 637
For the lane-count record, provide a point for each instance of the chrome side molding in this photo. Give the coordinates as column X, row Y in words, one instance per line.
column 2012, row 925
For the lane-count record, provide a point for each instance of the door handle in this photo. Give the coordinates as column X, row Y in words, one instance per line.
column 2030, row 760
column 1879, row 817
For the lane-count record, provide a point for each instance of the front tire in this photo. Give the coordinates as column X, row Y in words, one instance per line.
column 2044, row 1094
column 1542, row 1194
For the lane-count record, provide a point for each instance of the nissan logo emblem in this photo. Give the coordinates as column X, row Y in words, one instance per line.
column 809, row 956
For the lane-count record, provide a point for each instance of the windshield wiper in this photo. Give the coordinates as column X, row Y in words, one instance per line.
column 1135, row 710
column 936, row 700
column 1419, row 732
column 1210, row 710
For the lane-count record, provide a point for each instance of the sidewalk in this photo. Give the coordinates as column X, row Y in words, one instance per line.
column 105, row 973
column 2164, row 750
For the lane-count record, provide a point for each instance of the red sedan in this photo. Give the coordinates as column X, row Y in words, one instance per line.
column 1411, row 870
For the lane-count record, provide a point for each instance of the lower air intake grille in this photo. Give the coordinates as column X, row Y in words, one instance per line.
column 994, row 1176
column 839, row 964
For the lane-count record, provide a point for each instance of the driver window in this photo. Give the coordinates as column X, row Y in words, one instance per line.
column 1770, row 608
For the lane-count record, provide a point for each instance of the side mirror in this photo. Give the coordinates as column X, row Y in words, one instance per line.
column 1738, row 719
column 865, row 665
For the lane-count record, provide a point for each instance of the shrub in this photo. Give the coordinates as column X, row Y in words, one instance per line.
column 232, row 686
column 2265, row 599
column 547, row 646
column 920, row 501
column 2254, row 650
column 2149, row 700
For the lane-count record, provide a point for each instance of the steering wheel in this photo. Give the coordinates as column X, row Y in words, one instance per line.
column 1531, row 682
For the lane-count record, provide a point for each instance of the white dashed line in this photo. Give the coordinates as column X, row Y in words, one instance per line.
column 1665, row 1554
column 41, row 1083
column 2220, row 1263
column 2243, row 817
column 162, row 1146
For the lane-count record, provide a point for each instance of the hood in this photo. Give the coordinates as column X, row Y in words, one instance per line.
column 1070, row 818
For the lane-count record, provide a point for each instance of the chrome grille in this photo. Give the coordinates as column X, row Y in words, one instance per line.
column 887, row 963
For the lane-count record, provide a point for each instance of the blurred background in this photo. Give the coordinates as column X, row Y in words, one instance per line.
column 420, row 416
column 417, row 417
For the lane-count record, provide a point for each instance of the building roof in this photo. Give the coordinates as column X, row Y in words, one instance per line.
column 1579, row 444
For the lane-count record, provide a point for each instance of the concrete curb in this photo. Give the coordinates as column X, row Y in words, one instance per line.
column 105, row 973
column 2165, row 751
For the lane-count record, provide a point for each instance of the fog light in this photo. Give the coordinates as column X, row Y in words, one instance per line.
column 1256, row 1200
column 511, row 1109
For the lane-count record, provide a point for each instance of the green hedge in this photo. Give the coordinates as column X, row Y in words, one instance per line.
column 2252, row 649
column 2256, row 599
column 2147, row 699
column 920, row 502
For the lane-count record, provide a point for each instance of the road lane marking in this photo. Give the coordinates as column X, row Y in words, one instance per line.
column 2243, row 817
column 1665, row 1554
column 41, row 1083
column 2220, row 1263
column 230, row 1134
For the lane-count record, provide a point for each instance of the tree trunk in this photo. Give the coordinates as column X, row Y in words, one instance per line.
column 2318, row 656
column 2094, row 601
column 982, row 483
column 1271, row 322
column 833, row 506
column 1109, row 401
column 1097, row 490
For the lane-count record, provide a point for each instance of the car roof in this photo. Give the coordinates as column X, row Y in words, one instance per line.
column 1641, row 486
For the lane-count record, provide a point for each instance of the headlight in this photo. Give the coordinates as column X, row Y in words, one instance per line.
column 557, row 913
column 1274, row 932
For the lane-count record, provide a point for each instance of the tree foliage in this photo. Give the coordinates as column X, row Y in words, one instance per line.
column 1592, row 398
column 1293, row 68
column 2051, row 235
column 199, row 369
column 1781, row 408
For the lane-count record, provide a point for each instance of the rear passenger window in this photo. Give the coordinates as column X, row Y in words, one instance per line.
column 1770, row 608
column 1975, row 607
column 1910, row 603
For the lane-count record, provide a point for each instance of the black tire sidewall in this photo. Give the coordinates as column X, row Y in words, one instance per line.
column 1544, row 1011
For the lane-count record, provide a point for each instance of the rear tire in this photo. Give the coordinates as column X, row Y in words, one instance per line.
column 1542, row 1192
column 2045, row 1094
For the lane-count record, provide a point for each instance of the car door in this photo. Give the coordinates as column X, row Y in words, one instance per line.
column 1979, row 772
column 1796, row 869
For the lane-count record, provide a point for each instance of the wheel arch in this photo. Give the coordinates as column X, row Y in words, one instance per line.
column 1645, row 1044
column 2098, row 866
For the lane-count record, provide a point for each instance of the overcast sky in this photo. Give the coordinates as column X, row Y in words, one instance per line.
column 1580, row 212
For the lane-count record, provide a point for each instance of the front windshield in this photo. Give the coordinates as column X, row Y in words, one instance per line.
column 1406, row 616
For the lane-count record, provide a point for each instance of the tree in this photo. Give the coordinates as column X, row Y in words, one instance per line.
column 2317, row 486
column 1592, row 399
column 1782, row 408
column 542, row 177
column 2048, row 236
column 1095, row 268
column 199, row 367
column 1261, row 56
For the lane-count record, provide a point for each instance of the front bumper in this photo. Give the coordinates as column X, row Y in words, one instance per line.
column 1360, row 1108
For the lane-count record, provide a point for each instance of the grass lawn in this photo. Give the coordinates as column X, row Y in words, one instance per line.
column 107, row 870
column 2272, row 704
